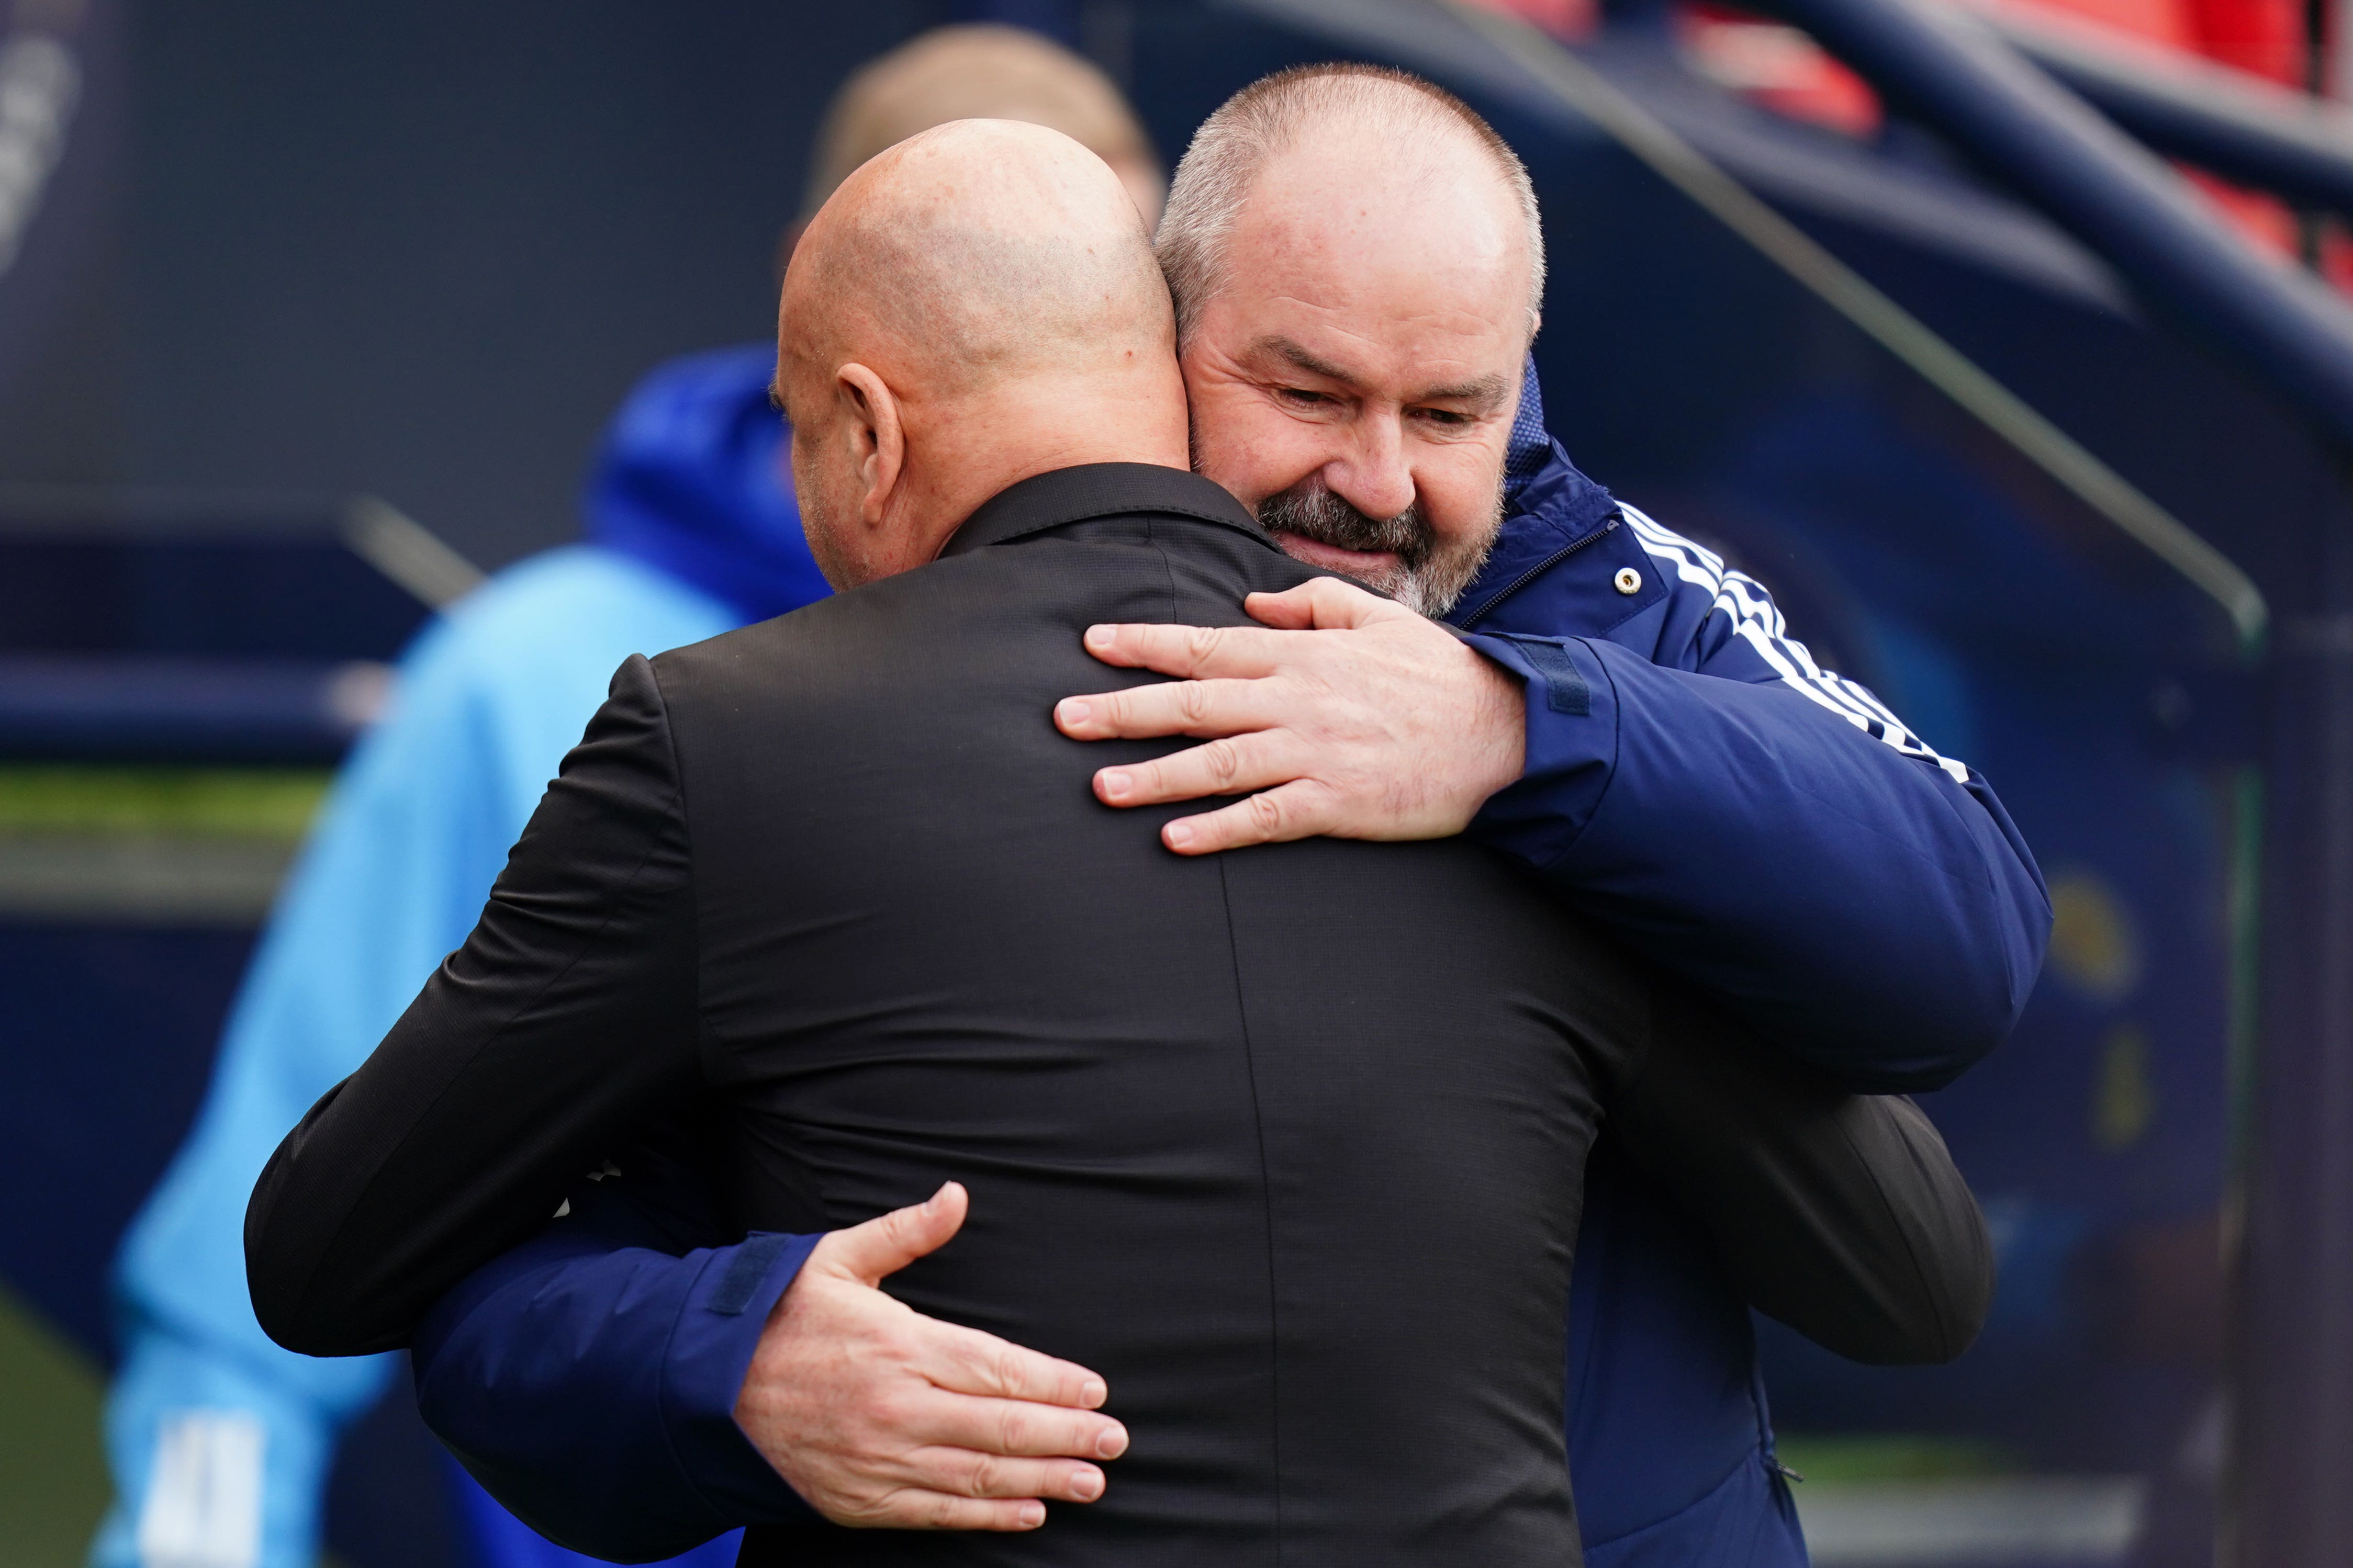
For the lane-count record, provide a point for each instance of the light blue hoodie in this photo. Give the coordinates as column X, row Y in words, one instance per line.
column 692, row 533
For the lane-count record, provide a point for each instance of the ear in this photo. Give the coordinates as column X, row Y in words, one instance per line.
column 878, row 443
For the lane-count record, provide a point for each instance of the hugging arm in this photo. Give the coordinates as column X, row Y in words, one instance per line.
column 564, row 1023
column 585, row 1379
column 1738, row 815
column 1866, row 906
column 640, row 1377
column 1840, row 1215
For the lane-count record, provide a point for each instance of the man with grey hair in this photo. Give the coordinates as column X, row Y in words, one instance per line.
column 1355, row 273
column 1355, row 267
column 1395, row 137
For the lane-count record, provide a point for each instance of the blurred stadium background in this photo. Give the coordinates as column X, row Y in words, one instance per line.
column 309, row 314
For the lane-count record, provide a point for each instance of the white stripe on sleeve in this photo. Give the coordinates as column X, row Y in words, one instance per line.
column 1756, row 621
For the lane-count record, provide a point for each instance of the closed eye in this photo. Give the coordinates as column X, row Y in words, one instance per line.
column 1301, row 397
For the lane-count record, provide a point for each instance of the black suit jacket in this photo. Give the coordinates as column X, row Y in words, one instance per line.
column 1288, row 1143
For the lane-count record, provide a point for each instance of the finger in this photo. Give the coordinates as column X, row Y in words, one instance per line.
column 888, row 1243
column 1202, row 708
column 1014, row 1428
column 1300, row 809
column 1244, row 651
column 913, row 1508
column 1232, row 766
column 1320, row 604
column 966, row 1360
column 958, row 1472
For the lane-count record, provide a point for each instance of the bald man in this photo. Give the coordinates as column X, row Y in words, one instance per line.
column 214, row 1434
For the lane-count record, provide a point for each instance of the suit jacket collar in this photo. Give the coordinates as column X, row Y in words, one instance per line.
column 1098, row 489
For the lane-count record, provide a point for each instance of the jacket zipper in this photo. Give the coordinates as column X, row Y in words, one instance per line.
column 1540, row 569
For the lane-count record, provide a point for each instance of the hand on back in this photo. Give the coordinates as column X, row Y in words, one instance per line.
column 881, row 1417
column 1351, row 716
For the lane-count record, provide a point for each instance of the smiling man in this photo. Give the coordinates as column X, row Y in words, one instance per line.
column 1352, row 369
column 1355, row 264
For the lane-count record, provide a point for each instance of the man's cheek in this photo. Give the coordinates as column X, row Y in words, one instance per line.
column 1254, row 456
column 1228, row 455
column 1461, row 502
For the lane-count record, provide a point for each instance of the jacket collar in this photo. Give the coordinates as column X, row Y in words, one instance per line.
column 1530, row 448
column 1547, row 506
column 1098, row 489
column 1553, row 510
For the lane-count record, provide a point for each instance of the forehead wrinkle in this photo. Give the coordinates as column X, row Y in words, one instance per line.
column 1342, row 297
column 1335, row 320
column 1485, row 390
column 1285, row 348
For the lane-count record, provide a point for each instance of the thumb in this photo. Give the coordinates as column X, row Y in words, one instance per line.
column 889, row 1242
column 1320, row 603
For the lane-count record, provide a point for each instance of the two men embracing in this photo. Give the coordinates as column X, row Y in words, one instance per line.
column 1258, row 1174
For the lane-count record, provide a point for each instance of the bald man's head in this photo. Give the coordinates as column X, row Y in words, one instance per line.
column 972, row 299
column 975, row 251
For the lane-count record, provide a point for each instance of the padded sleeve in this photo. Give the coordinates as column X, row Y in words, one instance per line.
column 589, row 1378
column 1840, row 1215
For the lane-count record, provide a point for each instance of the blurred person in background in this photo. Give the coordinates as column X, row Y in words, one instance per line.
column 220, row 1442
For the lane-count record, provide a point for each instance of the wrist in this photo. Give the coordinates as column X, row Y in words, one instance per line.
column 1499, row 730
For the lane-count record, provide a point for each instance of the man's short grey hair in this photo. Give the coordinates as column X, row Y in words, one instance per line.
column 1233, row 145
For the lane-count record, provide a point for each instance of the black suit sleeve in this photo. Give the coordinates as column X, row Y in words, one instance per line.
column 565, row 1025
column 1841, row 1214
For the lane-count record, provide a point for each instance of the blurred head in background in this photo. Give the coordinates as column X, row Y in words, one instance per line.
column 1357, row 265
column 979, row 71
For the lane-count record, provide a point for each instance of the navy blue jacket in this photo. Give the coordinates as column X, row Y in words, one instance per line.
column 1695, row 782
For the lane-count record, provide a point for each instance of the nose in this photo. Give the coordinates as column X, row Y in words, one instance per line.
column 1373, row 475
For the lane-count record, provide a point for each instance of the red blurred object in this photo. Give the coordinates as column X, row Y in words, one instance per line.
column 1568, row 19
column 1777, row 67
column 2168, row 22
column 2267, row 220
column 2264, row 37
column 1780, row 69
column 2336, row 256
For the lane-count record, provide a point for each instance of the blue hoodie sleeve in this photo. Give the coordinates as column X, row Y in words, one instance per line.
column 391, row 877
column 1768, row 829
column 589, row 1378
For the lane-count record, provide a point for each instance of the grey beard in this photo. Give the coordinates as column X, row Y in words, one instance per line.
column 1430, row 574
